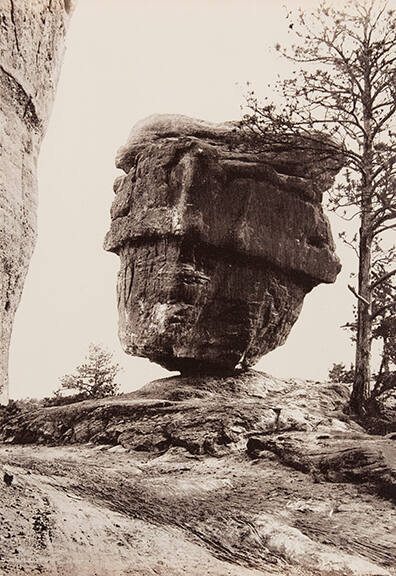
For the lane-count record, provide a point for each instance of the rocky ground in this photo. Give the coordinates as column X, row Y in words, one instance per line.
column 246, row 475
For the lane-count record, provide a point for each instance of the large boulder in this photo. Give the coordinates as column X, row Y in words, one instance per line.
column 220, row 237
column 32, row 43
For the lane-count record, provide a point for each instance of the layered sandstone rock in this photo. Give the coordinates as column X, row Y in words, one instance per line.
column 219, row 240
column 31, row 41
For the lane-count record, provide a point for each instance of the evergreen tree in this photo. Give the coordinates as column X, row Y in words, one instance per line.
column 95, row 378
column 344, row 86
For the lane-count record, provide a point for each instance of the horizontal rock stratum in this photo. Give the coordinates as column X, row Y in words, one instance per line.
column 220, row 237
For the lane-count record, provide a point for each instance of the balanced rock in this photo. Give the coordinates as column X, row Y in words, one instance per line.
column 220, row 237
column 32, row 43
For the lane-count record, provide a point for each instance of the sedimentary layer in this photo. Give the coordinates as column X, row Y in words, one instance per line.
column 220, row 237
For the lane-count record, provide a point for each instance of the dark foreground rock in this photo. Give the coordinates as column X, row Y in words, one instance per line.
column 381, row 414
column 32, row 37
column 240, row 476
column 300, row 422
column 219, row 241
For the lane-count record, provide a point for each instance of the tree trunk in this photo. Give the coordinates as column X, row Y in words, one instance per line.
column 361, row 385
column 31, row 47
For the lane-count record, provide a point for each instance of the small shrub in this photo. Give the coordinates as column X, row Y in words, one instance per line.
column 95, row 378
column 339, row 374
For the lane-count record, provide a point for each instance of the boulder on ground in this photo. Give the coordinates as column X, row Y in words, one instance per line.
column 220, row 238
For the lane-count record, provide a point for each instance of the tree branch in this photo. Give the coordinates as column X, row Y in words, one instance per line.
column 358, row 296
column 383, row 229
column 382, row 279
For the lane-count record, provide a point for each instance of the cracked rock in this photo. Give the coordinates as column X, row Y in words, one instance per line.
column 220, row 238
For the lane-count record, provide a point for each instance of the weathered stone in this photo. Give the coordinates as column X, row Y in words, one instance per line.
column 31, row 41
column 199, row 460
column 219, row 242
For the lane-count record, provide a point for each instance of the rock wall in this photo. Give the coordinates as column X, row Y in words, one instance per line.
column 32, row 42
column 219, row 242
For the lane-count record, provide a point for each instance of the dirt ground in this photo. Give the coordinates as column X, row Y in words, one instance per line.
column 92, row 510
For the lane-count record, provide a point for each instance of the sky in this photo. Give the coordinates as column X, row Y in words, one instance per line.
column 125, row 60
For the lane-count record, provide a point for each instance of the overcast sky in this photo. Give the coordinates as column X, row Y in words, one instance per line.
column 127, row 59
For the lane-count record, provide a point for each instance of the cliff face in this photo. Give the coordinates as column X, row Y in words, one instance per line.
column 219, row 242
column 32, row 42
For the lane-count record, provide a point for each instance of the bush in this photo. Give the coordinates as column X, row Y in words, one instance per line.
column 95, row 378
column 59, row 400
column 339, row 374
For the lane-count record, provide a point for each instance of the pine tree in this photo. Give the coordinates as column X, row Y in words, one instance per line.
column 95, row 378
column 344, row 86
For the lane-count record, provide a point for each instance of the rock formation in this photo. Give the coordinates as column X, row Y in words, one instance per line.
column 244, row 475
column 32, row 41
column 219, row 240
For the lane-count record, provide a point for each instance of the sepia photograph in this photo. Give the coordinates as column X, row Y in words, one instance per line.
column 197, row 287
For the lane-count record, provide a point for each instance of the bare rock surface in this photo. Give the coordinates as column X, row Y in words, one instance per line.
column 301, row 422
column 219, row 241
column 32, row 43
column 241, row 476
